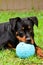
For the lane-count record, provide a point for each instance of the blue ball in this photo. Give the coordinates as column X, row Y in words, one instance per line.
column 24, row 50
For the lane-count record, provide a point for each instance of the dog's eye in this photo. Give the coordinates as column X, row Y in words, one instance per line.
column 29, row 27
column 22, row 28
column 16, row 33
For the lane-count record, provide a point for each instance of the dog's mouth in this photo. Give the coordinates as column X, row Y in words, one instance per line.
column 24, row 39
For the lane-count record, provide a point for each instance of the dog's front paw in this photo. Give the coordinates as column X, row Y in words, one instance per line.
column 39, row 52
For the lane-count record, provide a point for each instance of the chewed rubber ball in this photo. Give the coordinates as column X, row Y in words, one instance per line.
column 24, row 50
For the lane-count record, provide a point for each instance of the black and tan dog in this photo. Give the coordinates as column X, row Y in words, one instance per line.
column 18, row 30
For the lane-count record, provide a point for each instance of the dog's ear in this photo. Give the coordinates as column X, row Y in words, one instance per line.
column 13, row 22
column 35, row 20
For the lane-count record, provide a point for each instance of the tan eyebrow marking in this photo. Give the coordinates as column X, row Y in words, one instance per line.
column 22, row 27
column 29, row 27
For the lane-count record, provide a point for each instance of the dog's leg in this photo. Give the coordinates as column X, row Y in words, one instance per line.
column 10, row 46
column 39, row 51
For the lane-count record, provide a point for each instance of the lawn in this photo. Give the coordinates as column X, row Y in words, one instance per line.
column 8, row 56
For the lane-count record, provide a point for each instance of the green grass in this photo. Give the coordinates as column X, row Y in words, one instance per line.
column 8, row 56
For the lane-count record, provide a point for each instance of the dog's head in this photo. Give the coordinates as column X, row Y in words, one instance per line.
column 23, row 28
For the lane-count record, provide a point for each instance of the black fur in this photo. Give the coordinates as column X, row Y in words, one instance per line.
column 8, row 30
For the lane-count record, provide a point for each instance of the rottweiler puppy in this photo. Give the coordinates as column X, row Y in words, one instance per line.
column 24, row 32
column 19, row 30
